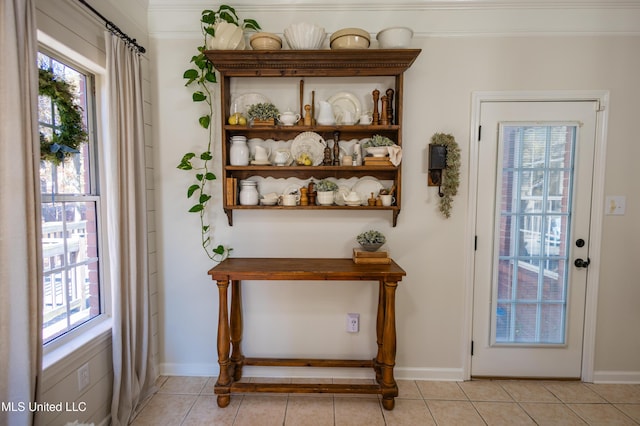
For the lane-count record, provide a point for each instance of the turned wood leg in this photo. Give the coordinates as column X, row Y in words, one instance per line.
column 237, row 358
column 389, row 386
column 379, row 332
column 224, row 380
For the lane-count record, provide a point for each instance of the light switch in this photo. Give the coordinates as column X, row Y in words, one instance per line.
column 615, row 204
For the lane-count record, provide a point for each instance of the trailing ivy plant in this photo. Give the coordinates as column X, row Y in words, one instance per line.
column 451, row 174
column 201, row 76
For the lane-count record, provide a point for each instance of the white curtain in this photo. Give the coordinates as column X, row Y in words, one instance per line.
column 20, row 252
column 134, row 371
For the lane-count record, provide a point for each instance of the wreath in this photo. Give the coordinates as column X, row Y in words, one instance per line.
column 450, row 175
column 65, row 142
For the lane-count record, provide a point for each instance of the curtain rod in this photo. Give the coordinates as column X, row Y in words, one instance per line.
column 113, row 28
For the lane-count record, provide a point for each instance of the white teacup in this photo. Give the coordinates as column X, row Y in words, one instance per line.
column 366, row 119
column 289, row 200
column 352, row 198
column 387, row 199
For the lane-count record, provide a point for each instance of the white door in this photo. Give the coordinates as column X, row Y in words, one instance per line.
column 533, row 213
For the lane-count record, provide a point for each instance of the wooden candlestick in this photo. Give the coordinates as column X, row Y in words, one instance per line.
column 336, row 149
column 307, row 115
column 376, row 115
column 390, row 106
column 383, row 116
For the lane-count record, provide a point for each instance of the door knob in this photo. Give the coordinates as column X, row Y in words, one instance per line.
column 579, row 242
column 582, row 263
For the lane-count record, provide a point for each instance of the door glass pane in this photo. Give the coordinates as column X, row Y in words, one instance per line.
column 534, row 208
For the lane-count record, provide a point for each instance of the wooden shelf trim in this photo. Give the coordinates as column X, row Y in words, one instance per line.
column 280, row 63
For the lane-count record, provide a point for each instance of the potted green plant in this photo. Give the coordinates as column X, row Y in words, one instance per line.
column 201, row 75
column 325, row 189
column 371, row 240
column 263, row 114
column 377, row 145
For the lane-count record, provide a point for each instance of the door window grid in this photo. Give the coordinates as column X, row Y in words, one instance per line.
column 534, row 220
column 70, row 222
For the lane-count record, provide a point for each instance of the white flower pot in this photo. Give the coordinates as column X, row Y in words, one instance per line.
column 325, row 198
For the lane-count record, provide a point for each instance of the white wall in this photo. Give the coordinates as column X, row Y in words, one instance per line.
column 68, row 28
column 307, row 319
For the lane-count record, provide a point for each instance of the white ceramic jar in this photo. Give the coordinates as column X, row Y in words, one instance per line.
column 239, row 151
column 249, row 193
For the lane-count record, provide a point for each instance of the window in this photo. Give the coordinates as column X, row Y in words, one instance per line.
column 70, row 215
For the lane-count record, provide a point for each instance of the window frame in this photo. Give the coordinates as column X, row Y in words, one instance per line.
column 61, row 346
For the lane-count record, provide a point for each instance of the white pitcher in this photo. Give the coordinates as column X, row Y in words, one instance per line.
column 325, row 116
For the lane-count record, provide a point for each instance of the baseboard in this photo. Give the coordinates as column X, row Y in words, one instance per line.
column 626, row 377
column 400, row 373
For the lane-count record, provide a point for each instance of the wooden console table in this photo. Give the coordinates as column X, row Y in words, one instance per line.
column 233, row 270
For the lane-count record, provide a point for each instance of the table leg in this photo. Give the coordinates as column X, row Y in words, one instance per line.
column 389, row 386
column 379, row 333
column 237, row 358
column 224, row 379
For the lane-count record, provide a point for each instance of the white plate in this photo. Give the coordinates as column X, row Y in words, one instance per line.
column 365, row 186
column 310, row 143
column 243, row 102
column 345, row 101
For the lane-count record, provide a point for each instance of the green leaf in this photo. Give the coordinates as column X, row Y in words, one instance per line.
column 204, row 198
column 219, row 249
column 205, row 228
column 193, row 188
column 191, row 74
column 185, row 163
column 199, row 177
column 196, row 208
column 206, row 156
column 208, row 17
column 204, row 121
column 210, row 77
column 199, row 96
column 210, row 176
column 251, row 24
column 210, row 31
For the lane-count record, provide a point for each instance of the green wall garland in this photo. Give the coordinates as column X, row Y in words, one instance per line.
column 72, row 134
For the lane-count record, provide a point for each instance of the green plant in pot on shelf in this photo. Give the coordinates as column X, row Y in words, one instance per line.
column 325, row 185
column 371, row 240
column 263, row 113
column 378, row 140
column 201, row 76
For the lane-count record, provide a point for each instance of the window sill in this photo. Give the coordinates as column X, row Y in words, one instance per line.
column 69, row 353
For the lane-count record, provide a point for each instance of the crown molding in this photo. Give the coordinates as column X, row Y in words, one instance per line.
column 170, row 19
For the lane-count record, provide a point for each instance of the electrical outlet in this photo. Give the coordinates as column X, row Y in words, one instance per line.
column 353, row 323
column 83, row 377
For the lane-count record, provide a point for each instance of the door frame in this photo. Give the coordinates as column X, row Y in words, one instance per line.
column 597, row 211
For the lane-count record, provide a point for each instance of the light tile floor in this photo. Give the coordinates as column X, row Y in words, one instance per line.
column 190, row 401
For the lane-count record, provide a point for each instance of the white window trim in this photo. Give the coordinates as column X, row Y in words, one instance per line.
column 63, row 351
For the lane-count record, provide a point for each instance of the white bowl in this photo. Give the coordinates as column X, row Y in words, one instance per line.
column 395, row 38
column 378, row 151
column 303, row 36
